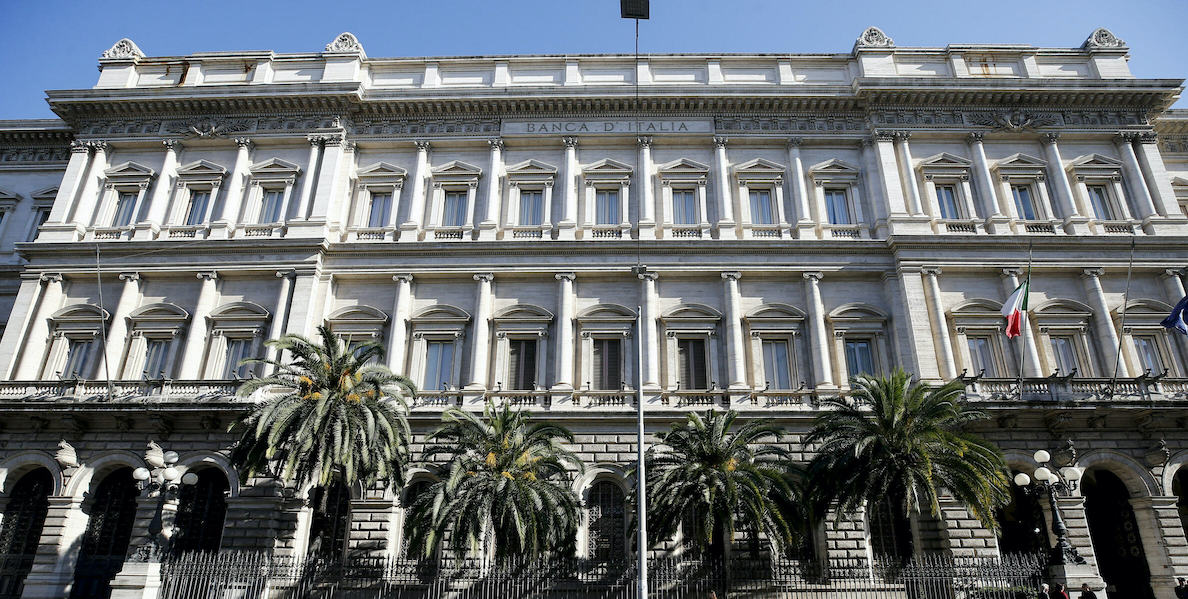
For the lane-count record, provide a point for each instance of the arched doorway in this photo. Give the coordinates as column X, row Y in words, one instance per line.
column 20, row 535
column 105, row 543
column 607, row 530
column 1115, row 536
column 412, row 494
column 1022, row 524
column 201, row 510
column 890, row 533
column 1180, row 490
column 331, row 523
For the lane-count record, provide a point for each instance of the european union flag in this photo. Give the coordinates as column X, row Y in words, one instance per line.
column 1175, row 320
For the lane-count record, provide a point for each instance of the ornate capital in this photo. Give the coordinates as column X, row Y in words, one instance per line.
column 932, row 271
column 484, row 277
column 1171, row 272
column 732, row 275
column 79, row 146
column 1148, row 137
column 404, row 277
column 130, row 276
column 496, row 143
column 565, row 276
column 814, row 276
column 1051, row 137
column 99, row 145
column 647, row 276
column 882, row 135
column 1092, row 272
column 172, row 145
column 720, row 142
column 903, row 135
column 244, row 142
column 1011, row 272
column 334, row 140
column 315, row 140
column 643, row 142
column 207, row 275
column 795, row 142
column 51, row 277
column 976, row 137
column 422, row 145
column 286, row 274
column 570, row 142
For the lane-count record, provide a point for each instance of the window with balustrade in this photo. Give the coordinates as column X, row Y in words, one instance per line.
column 761, row 191
column 1098, row 185
column 1023, row 183
column 125, row 188
column 452, row 200
column 376, row 198
column 521, row 358
column 606, row 354
column 607, row 185
column 860, row 341
column 237, row 332
column 358, row 324
column 683, row 198
column 691, row 347
column 154, row 340
column 436, row 346
column 836, row 186
column 75, row 350
column 270, row 196
column 1064, row 340
column 197, row 188
column 948, row 197
column 1148, row 347
column 978, row 325
column 775, row 354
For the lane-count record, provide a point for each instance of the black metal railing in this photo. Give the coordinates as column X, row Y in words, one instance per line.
column 262, row 576
column 13, row 570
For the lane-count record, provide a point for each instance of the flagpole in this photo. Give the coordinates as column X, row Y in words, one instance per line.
column 1125, row 298
column 1024, row 329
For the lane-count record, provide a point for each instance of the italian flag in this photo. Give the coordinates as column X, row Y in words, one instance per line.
column 1015, row 309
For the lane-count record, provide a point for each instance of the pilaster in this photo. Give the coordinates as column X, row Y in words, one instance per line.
column 159, row 199
column 1075, row 223
column 819, row 340
column 736, row 356
column 998, row 222
column 229, row 218
column 481, row 348
column 488, row 225
column 117, row 331
column 1106, row 334
column 398, row 336
column 940, row 325
column 411, row 228
column 725, row 200
column 806, row 221
column 192, row 353
column 647, row 193
column 567, row 225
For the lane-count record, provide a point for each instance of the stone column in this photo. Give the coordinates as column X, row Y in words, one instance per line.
column 488, row 226
column 412, row 226
column 911, row 187
column 806, row 221
column 567, row 226
column 1132, row 175
column 72, row 182
column 192, row 358
column 481, row 350
column 284, row 303
column 117, row 331
column 726, row 224
column 325, row 204
column 819, row 340
column 19, row 318
column 35, row 344
column 648, row 336
column 159, row 200
column 940, row 325
column 398, row 336
column 84, row 213
column 647, row 197
column 239, row 173
column 301, row 314
column 1158, row 181
column 565, row 347
column 997, row 221
column 736, row 356
column 888, row 170
column 1031, row 360
column 1074, row 222
column 1104, row 321
column 309, row 180
column 1171, row 282
column 910, row 321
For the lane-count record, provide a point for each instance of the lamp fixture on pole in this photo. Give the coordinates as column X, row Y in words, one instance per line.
column 1053, row 483
column 164, row 482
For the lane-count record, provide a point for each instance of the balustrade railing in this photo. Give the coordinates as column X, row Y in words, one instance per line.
column 1057, row 388
column 127, row 391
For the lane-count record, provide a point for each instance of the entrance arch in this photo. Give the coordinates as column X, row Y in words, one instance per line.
column 1022, row 524
column 1115, row 534
column 24, row 517
column 109, row 529
column 201, row 511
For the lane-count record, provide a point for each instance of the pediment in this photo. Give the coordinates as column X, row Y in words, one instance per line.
column 1144, row 307
column 857, row 311
column 684, row 165
column 524, row 312
column 1180, row 181
column 158, row 312
column 441, row 313
column 692, row 312
column 1020, row 161
column 531, row 167
column 946, row 160
column 607, row 312
column 760, row 166
column 976, row 307
column 201, row 169
column 833, row 166
column 81, row 313
column 775, row 312
column 1063, row 307
column 240, row 310
column 9, row 196
column 129, row 170
column 275, row 166
column 457, row 168
column 48, row 193
column 608, row 167
column 381, row 169
column 358, row 315
column 1091, row 160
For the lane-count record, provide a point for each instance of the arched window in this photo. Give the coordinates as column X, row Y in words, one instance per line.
column 890, row 532
column 21, row 532
column 1115, row 534
column 201, row 509
column 411, row 495
column 607, row 522
column 1022, row 524
column 331, row 523
column 105, row 543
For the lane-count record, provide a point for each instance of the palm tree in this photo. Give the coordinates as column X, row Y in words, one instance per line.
column 900, row 442
column 724, row 479
column 507, row 487
column 333, row 412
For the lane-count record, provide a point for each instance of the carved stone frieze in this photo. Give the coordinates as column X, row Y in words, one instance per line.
column 1014, row 120
column 35, row 155
column 405, row 127
column 210, row 126
column 1007, row 119
column 823, row 123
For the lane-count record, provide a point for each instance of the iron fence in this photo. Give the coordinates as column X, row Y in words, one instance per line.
column 263, row 576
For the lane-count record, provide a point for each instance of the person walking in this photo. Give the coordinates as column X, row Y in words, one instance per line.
column 1044, row 593
column 1059, row 592
column 1086, row 592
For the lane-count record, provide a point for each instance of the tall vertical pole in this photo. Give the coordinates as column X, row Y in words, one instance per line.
column 641, row 511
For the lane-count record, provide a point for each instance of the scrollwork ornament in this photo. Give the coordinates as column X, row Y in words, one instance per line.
column 874, row 37
column 124, row 49
column 1103, row 38
column 345, row 42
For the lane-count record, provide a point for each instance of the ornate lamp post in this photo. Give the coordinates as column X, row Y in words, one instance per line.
column 164, row 482
column 1054, row 483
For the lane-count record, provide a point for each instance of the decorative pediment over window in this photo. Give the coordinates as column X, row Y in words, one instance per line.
column 606, row 313
column 381, row 173
column 857, row 316
column 442, row 314
column 241, row 316
column 531, row 171
column 1062, row 312
column 1021, row 165
column 275, row 169
column 201, row 170
column 356, row 322
column 523, row 313
column 691, row 316
column 49, row 193
column 8, row 196
column 129, row 173
column 165, row 317
column 607, row 170
column 683, row 170
column 458, row 171
column 945, row 165
column 977, row 313
column 833, row 170
column 82, row 314
column 1095, row 166
column 1143, row 311
column 774, row 313
column 760, row 170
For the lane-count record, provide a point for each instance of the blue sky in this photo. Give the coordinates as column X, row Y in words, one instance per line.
column 55, row 44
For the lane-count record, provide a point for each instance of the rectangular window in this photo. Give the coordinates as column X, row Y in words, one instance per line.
column 196, row 215
column 608, row 365
column 837, row 205
column 156, row 351
column 1148, row 353
column 531, row 207
column 381, row 209
column 691, row 364
column 946, row 198
column 860, row 357
column 1100, row 198
column 761, row 208
column 684, row 207
column 125, row 204
column 1023, row 204
column 606, row 207
column 454, row 209
column 78, row 358
column 270, row 206
column 439, row 365
column 981, row 357
column 521, row 364
column 776, row 365
column 1065, row 354
column 237, row 351
column 39, row 218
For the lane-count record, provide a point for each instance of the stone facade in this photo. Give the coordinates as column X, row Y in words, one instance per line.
column 800, row 217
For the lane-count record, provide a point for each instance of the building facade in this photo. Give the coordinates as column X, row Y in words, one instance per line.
column 802, row 219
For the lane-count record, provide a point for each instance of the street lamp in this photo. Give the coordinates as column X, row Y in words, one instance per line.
column 1064, row 481
column 164, row 482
